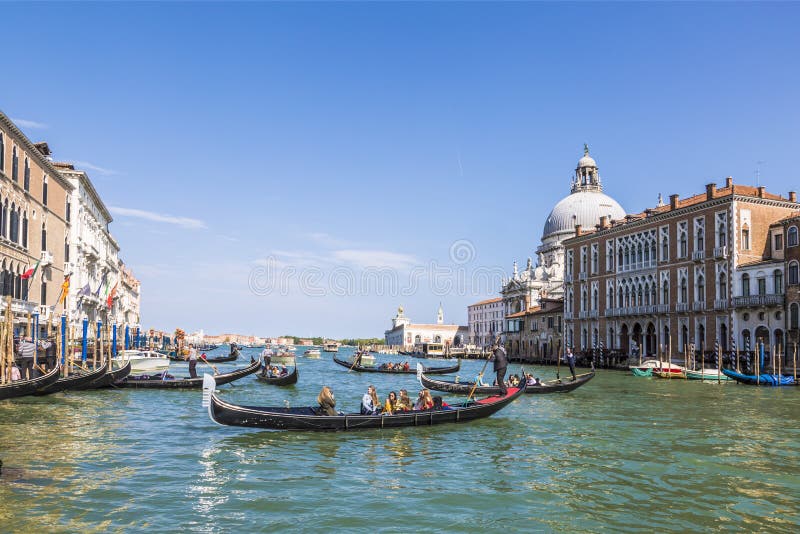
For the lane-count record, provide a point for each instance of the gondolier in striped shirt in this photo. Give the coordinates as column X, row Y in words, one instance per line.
column 500, row 365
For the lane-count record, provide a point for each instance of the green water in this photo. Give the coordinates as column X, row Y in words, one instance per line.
column 619, row 454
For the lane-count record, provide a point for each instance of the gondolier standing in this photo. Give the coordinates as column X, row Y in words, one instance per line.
column 570, row 359
column 266, row 359
column 192, row 357
column 500, row 365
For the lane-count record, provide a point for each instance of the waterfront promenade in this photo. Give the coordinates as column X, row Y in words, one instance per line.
column 618, row 454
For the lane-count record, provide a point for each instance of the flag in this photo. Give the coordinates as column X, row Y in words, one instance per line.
column 103, row 281
column 85, row 292
column 111, row 295
column 30, row 272
column 64, row 289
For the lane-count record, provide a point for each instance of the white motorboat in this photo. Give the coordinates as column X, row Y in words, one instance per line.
column 142, row 361
column 313, row 353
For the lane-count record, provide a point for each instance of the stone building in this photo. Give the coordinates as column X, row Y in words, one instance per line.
column 694, row 272
column 406, row 334
column 485, row 321
column 127, row 300
column 584, row 206
column 536, row 333
column 785, row 241
column 34, row 226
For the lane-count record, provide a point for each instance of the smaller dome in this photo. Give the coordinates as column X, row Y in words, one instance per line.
column 586, row 161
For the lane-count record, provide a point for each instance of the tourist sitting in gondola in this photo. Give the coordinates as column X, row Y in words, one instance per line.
column 390, row 406
column 370, row 405
column 404, row 402
column 424, row 400
column 15, row 374
column 284, row 371
column 513, row 381
column 406, row 367
column 439, row 404
column 327, row 402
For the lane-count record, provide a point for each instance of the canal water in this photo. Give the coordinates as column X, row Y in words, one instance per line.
column 619, row 454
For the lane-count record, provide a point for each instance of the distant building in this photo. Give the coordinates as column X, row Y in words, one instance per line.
column 485, row 321
column 406, row 334
column 535, row 333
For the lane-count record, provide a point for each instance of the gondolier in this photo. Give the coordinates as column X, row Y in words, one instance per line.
column 192, row 357
column 266, row 359
column 500, row 365
column 26, row 352
column 570, row 359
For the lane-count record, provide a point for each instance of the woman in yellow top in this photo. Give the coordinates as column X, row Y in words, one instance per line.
column 391, row 403
column 404, row 403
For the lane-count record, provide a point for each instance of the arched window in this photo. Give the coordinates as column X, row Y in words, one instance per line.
column 26, row 181
column 44, row 238
column 25, row 230
column 417, row 339
column 794, row 273
column 723, row 285
column 43, row 294
column 14, row 164
column 793, row 316
column 619, row 261
column 639, row 253
column 745, row 285
column 14, row 224
column 700, row 241
column 745, row 238
column 684, row 290
column 722, row 235
column 791, row 237
column 4, row 222
column 665, row 293
column 2, row 151
column 777, row 277
column 683, row 245
column 664, row 248
column 701, row 288
column 2, row 219
column 595, row 299
column 66, row 249
column 44, row 191
column 620, row 297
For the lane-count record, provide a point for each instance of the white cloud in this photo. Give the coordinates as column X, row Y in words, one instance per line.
column 328, row 240
column 184, row 222
column 375, row 258
column 86, row 166
column 25, row 123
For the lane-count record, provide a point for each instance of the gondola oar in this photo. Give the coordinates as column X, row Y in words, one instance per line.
column 203, row 359
column 475, row 386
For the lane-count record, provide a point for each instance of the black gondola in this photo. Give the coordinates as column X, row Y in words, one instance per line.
column 286, row 380
column 280, row 418
column 233, row 356
column 20, row 388
column 108, row 379
column 429, row 370
column 549, row 386
column 73, row 381
column 183, row 383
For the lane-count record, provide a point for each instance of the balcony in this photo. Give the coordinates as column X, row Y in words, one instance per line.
column 721, row 252
column 46, row 259
column 568, row 278
column 754, row 301
column 699, row 255
column 721, row 304
column 20, row 307
column 567, row 316
column 682, row 307
column 699, row 305
column 662, row 308
column 610, row 312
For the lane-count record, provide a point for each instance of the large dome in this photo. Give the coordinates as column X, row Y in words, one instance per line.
column 584, row 208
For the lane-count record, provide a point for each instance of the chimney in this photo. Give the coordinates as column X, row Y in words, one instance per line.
column 710, row 191
column 729, row 181
column 761, row 190
column 604, row 220
column 577, row 229
column 673, row 202
column 792, row 196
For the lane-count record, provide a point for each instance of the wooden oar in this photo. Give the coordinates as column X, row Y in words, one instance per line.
column 203, row 359
column 475, row 386
column 355, row 361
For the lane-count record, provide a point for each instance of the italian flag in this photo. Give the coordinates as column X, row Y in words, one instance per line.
column 30, row 272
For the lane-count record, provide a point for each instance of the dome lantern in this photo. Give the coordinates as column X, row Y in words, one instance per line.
column 586, row 177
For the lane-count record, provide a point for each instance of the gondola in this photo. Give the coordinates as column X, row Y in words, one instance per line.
column 281, row 418
column 221, row 359
column 762, row 379
column 20, row 388
column 183, row 383
column 549, row 386
column 72, row 381
column 287, row 380
column 108, row 379
column 429, row 370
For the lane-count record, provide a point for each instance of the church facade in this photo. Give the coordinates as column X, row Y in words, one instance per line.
column 406, row 334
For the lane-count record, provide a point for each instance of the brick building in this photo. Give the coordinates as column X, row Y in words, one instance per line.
column 696, row 271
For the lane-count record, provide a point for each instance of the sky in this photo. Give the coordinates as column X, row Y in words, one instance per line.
column 307, row 168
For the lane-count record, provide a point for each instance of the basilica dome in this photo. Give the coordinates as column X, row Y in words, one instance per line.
column 581, row 207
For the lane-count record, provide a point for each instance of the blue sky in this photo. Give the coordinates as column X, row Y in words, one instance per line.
column 376, row 155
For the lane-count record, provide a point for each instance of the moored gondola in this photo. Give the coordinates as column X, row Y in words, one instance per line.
column 286, row 380
column 549, row 386
column 761, row 379
column 164, row 382
column 21, row 388
column 281, row 418
column 72, row 381
column 429, row 370
column 108, row 379
column 233, row 356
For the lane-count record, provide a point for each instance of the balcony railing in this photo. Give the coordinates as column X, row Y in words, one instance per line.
column 721, row 252
column 567, row 316
column 698, row 255
column 582, row 277
column 758, row 300
column 19, row 306
column 699, row 305
column 568, row 278
column 662, row 308
column 682, row 307
column 721, row 304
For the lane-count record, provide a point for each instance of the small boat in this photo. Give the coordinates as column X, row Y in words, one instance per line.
column 108, row 379
column 73, row 381
column 286, row 380
column 660, row 368
column 707, row 374
column 762, row 379
column 330, row 347
column 21, row 388
column 164, row 381
column 312, row 353
column 428, row 370
column 307, row 418
column 233, row 356
column 549, row 386
column 142, row 361
column 638, row 372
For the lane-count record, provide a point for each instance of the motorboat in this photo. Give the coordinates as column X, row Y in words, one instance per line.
column 330, row 346
column 707, row 374
column 142, row 361
column 660, row 368
column 312, row 353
